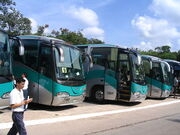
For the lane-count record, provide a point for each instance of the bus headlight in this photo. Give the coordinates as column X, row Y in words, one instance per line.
column 137, row 93
column 63, row 94
column 6, row 95
column 84, row 94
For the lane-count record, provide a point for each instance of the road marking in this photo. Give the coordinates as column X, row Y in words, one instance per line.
column 84, row 116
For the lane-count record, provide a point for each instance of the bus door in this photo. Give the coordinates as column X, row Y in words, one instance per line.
column 147, row 65
column 45, row 75
column 123, row 76
column 110, row 87
column 157, row 80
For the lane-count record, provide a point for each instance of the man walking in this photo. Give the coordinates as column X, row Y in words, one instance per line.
column 25, row 88
column 17, row 103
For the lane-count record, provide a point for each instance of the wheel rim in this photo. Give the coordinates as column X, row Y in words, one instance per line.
column 99, row 95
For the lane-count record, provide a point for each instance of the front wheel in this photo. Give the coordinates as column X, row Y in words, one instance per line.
column 99, row 95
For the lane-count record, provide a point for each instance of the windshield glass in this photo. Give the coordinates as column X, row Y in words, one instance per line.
column 70, row 66
column 4, row 55
column 137, row 69
column 166, row 74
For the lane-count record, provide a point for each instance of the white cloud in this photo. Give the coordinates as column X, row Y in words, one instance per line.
column 94, row 32
column 155, row 32
column 85, row 15
column 155, row 29
column 168, row 9
column 34, row 25
column 89, row 20
column 162, row 28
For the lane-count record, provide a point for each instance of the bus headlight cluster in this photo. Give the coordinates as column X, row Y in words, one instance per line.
column 137, row 93
column 166, row 93
column 63, row 94
column 6, row 95
column 84, row 94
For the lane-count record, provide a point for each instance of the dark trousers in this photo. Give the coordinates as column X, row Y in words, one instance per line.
column 18, row 124
column 25, row 93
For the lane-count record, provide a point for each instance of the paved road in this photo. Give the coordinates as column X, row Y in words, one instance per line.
column 152, row 117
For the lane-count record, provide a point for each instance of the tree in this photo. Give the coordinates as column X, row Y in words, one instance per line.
column 41, row 29
column 12, row 20
column 74, row 38
column 163, row 49
column 178, row 56
column 163, row 52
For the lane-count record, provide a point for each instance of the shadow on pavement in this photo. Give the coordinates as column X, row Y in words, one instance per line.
column 175, row 120
column 34, row 106
column 107, row 102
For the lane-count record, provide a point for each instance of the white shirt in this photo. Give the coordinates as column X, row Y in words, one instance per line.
column 26, row 83
column 17, row 97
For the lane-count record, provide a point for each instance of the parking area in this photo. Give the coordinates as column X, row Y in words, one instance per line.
column 36, row 111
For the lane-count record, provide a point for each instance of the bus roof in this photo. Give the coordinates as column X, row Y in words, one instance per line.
column 48, row 39
column 175, row 64
column 101, row 45
column 173, row 61
column 153, row 58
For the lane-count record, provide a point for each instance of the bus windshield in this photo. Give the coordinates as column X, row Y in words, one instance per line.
column 4, row 55
column 137, row 69
column 70, row 66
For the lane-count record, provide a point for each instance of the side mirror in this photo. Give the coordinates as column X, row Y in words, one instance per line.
column 21, row 50
column 61, row 55
column 168, row 66
column 150, row 64
column 90, row 60
column 87, row 61
column 139, row 59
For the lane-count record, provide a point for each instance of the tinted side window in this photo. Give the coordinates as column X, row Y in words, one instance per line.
column 45, row 61
column 31, row 53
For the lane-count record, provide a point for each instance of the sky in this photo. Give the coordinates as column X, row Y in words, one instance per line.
column 143, row 24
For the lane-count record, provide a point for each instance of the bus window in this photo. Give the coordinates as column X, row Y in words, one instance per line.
column 124, row 68
column 147, row 66
column 156, row 71
column 45, row 61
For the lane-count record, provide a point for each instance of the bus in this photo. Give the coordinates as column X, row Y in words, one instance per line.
column 54, row 70
column 116, row 73
column 158, row 77
column 175, row 66
column 6, row 83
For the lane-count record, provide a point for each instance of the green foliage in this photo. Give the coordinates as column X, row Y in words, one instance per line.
column 74, row 38
column 163, row 52
column 163, row 49
column 12, row 20
column 41, row 29
column 178, row 55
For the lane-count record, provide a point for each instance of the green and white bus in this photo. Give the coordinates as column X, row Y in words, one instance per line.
column 158, row 76
column 116, row 73
column 6, row 83
column 54, row 70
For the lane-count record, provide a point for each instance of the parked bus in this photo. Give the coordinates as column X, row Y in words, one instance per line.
column 116, row 73
column 54, row 70
column 175, row 66
column 6, row 83
column 158, row 77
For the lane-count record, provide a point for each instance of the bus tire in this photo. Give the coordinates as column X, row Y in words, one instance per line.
column 98, row 94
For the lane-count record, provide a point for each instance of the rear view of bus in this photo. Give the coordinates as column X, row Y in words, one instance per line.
column 116, row 74
column 54, row 70
column 6, row 84
column 158, row 77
